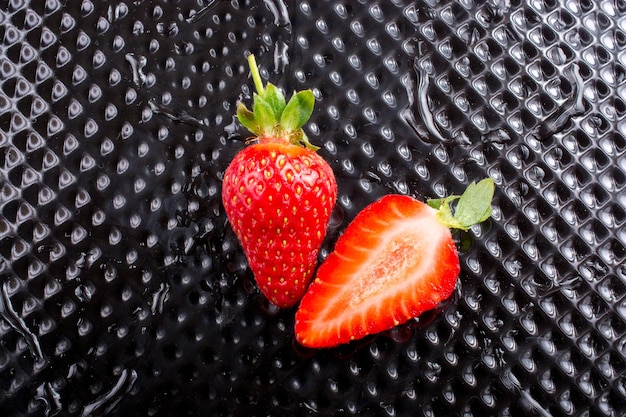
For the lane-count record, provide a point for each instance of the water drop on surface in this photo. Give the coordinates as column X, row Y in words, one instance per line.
column 106, row 402
column 15, row 320
column 573, row 106
column 137, row 63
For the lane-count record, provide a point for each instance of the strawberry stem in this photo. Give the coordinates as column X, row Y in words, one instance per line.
column 470, row 208
column 256, row 76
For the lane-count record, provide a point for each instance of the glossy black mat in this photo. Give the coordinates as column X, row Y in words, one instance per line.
column 124, row 291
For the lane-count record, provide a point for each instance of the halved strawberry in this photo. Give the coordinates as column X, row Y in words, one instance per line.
column 395, row 260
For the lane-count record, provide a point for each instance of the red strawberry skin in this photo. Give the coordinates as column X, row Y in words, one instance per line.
column 393, row 262
column 278, row 198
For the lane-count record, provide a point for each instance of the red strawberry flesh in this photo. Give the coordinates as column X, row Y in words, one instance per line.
column 393, row 262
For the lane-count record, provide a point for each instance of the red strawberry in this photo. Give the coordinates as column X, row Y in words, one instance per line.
column 394, row 261
column 278, row 193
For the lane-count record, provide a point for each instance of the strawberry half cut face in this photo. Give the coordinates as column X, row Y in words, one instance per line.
column 394, row 261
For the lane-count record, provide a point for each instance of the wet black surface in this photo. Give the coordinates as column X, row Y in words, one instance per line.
column 124, row 291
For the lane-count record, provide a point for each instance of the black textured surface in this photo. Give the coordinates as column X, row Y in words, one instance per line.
column 124, row 291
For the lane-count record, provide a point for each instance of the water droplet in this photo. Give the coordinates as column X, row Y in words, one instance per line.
column 573, row 106
column 281, row 56
column 106, row 402
column 50, row 398
column 84, row 292
column 8, row 313
column 159, row 298
column 110, row 273
column 177, row 115
column 417, row 92
column 137, row 63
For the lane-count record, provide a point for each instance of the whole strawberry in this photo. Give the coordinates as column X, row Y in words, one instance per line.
column 279, row 193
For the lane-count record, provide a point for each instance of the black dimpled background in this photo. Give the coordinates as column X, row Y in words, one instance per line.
column 124, row 291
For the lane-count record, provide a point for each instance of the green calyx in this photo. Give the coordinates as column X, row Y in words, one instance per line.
column 470, row 208
column 274, row 117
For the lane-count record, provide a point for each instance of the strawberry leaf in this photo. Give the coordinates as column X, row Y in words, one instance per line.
column 298, row 110
column 275, row 98
column 247, row 119
column 472, row 207
column 264, row 114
